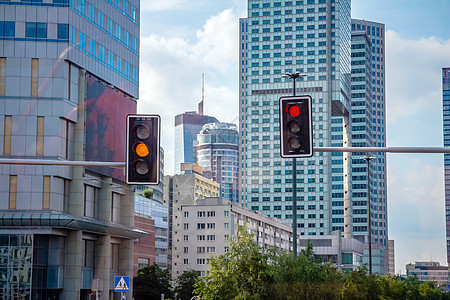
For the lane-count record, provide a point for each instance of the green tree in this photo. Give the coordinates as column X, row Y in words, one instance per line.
column 184, row 288
column 147, row 194
column 241, row 273
column 151, row 282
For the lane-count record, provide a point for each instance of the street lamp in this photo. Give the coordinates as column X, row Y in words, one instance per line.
column 294, row 76
column 368, row 158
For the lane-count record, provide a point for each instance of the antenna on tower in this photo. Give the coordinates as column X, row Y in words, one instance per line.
column 200, row 105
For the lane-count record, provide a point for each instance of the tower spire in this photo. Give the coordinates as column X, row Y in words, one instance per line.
column 200, row 105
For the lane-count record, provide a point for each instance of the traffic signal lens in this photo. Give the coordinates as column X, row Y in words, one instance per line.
column 294, row 127
column 142, row 131
column 141, row 167
column 294, row 111
column 142, row 150
column 294, row 143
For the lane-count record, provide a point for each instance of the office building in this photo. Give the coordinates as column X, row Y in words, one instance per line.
column 153, row 215
column 68, row 78
column 181, row 190
column 446, row 120
column 345, row 253
column 428, row 271
column 218, row 155
column 209, row 224
column 391, row 257
column 369, row 129
column 187, row 126
column 311, row 37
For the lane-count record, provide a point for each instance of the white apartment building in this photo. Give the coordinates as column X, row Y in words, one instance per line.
column 208, row 225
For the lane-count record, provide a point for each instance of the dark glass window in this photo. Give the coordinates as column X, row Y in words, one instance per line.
column 63, row 31
column 61, row 1
column 36, row 29
column 7, row 28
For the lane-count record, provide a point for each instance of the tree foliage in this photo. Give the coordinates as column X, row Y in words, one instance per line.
column 184, row 288
column 147, row 194
column 249, row 271
column 151, row 282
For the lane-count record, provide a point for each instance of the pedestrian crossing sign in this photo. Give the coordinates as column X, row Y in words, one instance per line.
column 121, row 283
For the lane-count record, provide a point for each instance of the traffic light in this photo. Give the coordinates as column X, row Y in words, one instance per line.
column 296, row 126
column 143, row 135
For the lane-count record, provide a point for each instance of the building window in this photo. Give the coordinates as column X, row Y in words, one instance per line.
column 12, row 191
column 40, row 136
column 116, row 201
column 186, row 238
column 211, row 225
column 7, row 29
column 143, row 262
column 226, row 213
column 201, row 225
column 211, row 214
column 201, row 214
column 185, row 226
column 36, row 30
column 115, row 256
column 89, row 253
column 34, row 77
column 186, row 214
column 226, row 225
column 63, row 31
column 90, row 200
column 7, row 135
column 185, row 249
column 46, row 193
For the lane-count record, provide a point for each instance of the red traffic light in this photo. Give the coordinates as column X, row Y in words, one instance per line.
column 294, row 110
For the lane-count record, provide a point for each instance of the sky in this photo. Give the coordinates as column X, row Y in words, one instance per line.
column 181, row 39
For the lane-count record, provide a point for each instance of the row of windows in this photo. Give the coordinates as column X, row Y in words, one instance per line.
column 106, row 56
column 123, row 6
column 110, row 27
column 33, row 30
column 289, row 3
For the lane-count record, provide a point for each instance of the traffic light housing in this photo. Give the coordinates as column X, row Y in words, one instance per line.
column 143, row 137
column 296, row 126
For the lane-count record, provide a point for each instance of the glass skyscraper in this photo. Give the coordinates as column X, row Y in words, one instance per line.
column 369, row 129
column 187, row 126
column 446, row 119
column 218, row 155
column 312, row 37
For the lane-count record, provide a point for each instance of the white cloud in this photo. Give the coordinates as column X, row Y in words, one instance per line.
column 171, row 69
column 413, row 75
column 416, row 208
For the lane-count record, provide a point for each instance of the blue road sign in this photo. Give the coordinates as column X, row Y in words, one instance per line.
column 121, row 283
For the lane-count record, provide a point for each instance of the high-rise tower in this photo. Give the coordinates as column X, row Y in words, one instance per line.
column 446, row 119
column 312, row 37
column 369, row 128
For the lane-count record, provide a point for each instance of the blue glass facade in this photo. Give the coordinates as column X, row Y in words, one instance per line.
column 218, row 155
column 446, row 119
column 187, row 126
column 311, row 37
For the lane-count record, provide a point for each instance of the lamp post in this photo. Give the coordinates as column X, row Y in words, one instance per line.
column 294, row 76
column 368, row 158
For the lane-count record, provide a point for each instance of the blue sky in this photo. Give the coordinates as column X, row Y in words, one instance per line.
column 181, row 39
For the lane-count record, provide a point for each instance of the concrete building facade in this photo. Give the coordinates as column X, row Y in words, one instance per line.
column 68, row 77
column 181, row 190
column 428, row 271
column 210, row 223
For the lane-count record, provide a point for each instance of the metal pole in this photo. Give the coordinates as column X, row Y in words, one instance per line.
column 385, row 149
column 369, row 221
column 294, row 198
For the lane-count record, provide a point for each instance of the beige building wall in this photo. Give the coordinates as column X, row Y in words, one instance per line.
column 208, row 224
column 391, row 257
